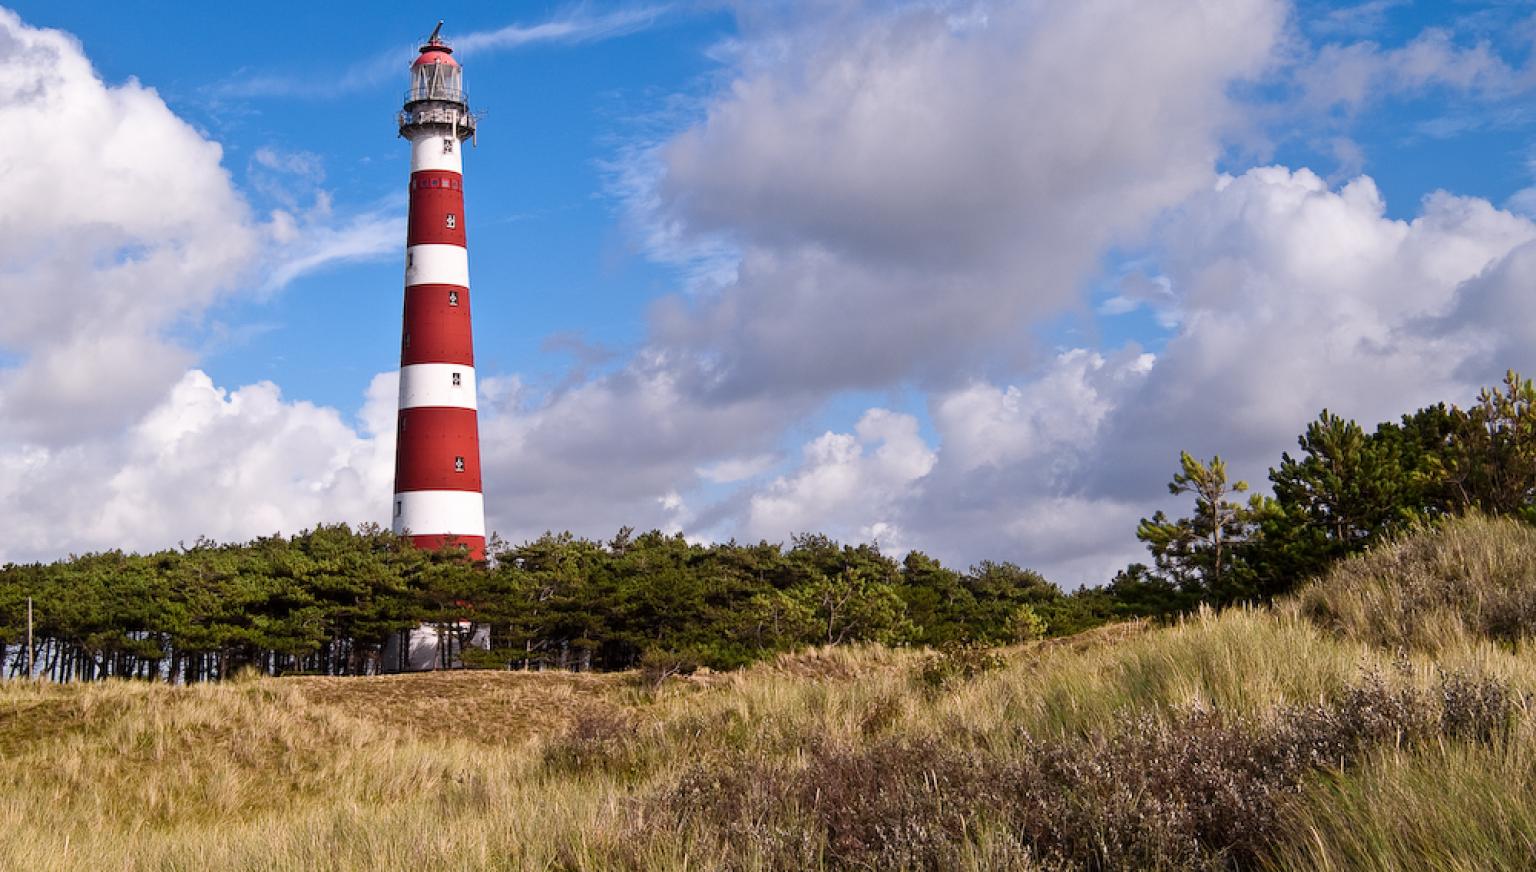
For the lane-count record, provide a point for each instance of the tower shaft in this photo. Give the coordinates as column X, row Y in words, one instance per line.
column 438, row 498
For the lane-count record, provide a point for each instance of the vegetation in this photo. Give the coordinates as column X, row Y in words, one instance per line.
column 327, row 601
column 1337, row 676
column 1345, row 491
column 1275, row 737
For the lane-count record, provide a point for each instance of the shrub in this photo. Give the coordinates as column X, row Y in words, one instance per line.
column 1472, row 577
column 958, row 662
column 599, row 738
column 1192, row 789
column 656, row 666
column 1026, row 625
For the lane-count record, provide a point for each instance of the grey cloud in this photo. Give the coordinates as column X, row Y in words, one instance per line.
column 907, row 188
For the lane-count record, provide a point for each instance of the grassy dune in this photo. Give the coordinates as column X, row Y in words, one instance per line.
column 1312, row 735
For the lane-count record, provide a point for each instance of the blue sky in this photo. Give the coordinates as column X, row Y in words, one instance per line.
column 956, row 275
column 549, row 256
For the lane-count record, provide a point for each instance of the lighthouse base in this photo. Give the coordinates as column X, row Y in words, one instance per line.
column 434, row 646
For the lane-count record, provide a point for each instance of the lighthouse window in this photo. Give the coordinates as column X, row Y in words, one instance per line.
column 447, row 146
column 399, row 506
column 437, row 183
column 453, row 298
column 458, row 464
column 452, row 220
column 407, row 341
column 410, row 259
column 458, row 380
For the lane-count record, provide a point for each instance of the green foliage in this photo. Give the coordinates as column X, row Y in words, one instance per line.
column 955, row 663
column 1027, row 625
column 327, row 601
column 1345, row 491
column 1204, row 552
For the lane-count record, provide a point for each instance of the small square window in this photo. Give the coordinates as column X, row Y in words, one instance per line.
column 453, row 298
column 458, row 464
column 447, row 145
column 458, row 380
column 437, row 183
column 452, row 220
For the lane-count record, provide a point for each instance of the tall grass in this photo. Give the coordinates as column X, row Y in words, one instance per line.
column 1311, row 735
column 1465, row 579
column 1454, row 807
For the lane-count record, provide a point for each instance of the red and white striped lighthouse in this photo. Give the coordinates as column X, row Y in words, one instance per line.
column 438, row 498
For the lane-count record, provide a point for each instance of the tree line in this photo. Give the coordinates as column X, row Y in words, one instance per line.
column 328, row 600
column 1344, row 490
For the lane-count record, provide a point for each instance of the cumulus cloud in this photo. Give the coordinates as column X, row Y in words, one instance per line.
column 1293, row 296
column 1013, row 460
column 122, row 225
column 613, row 450
column 907, row 186
column 120, row 222
column 202, row 461
column 849, row 484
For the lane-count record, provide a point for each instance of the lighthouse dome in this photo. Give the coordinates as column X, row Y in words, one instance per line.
column 435, row 55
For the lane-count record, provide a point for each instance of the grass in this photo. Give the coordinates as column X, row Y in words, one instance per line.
column 1455, row 808
column 1471, row 579
column 1313, row 735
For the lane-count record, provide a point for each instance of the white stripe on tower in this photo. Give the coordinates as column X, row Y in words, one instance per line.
column 437, row 458
column 427, row 154
column 437, row 265
column 449, row 385
column 460, row 513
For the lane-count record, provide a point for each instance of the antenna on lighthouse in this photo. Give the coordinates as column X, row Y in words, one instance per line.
column 434, row 39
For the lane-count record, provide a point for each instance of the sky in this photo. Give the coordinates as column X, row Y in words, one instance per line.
column 963, row 277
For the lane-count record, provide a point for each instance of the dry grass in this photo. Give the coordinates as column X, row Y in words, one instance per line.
column 833, row 758
column 1450, row 808
column 489, row 707
column 1469, row 579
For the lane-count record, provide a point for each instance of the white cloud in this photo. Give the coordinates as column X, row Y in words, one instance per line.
column 1013, row 459
column 1295, row 297
column 115, row 225
column 202, row 461
column 1348, row 76
column 312, row 243
column 1043, row 422
column 908, row 186
column 121, row 226
column 572, row 29
column 606, row 453
column 382, row 67
column 848, row 484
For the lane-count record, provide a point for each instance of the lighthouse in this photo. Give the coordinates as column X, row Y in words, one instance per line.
column 438, row 499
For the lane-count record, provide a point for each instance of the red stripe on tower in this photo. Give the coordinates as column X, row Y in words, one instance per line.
column 438, row 499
